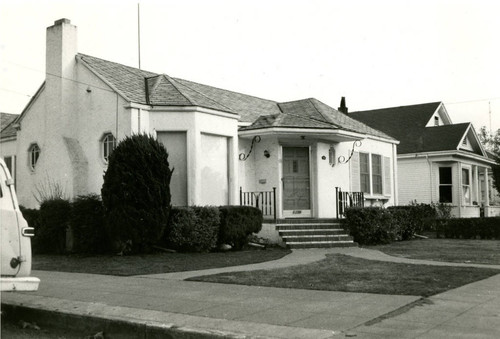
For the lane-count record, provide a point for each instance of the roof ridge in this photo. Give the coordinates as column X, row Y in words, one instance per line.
column 223, row 89
column 202, row 94
column 312, row 100
column 395, row 107
column 172, row 82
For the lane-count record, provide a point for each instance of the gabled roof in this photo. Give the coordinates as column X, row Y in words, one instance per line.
column 312, row 113
column 7, row 129
column 404, row 123
column 150, row 88
column 442, row 138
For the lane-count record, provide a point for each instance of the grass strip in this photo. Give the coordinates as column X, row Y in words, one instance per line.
column 349, row 274
column 153, row 263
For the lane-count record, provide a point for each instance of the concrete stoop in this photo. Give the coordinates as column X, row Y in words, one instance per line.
column 313, row 233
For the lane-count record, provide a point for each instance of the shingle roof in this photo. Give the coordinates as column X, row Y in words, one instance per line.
column 7, row 129
column 442, row 138
column 150, row 88
column 312, row 113
column 165, row 90
column 404, row 123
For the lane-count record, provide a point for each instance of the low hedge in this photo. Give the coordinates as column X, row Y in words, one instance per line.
column 193, row 229
column 87, row 224
column 469, row 228
column 237, row 223
column 375, row 225
column 50, row 236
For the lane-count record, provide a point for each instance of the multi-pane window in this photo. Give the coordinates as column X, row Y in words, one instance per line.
column 445, row 185
column 466, row 192
column 108, row 145
column 33, row 154
column 377, row 173
column 364, row 169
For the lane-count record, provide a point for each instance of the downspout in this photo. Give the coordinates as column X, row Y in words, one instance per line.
column 395, row 173
column 430, row 176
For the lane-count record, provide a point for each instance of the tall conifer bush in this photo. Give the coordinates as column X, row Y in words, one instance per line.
column 136, row 193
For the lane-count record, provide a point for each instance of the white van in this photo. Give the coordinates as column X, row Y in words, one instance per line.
column 15, row 239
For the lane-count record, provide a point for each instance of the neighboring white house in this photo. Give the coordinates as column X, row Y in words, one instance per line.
column 225, row 146
column 437, row 161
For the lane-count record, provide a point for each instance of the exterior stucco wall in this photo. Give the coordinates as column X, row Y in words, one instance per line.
column 196, row 123
column 68, row 122
column 262, row 174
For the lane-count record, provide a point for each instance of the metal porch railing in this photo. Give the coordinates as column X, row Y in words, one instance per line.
column 263, row 200
column 348, row 199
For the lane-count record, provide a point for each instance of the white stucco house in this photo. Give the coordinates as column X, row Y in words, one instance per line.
column 438, row 161
column 226, row 147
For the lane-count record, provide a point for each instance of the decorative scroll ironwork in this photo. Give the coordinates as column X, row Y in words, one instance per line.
column 243, row 157
column 342, row 159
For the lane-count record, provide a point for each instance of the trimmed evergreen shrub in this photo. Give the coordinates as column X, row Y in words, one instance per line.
column 371, row 226
column 237, row 223
column 469, row 228
column 87, row 223
column 50, row 236
column 193, row 229
column 418, row 218
column 136, row 193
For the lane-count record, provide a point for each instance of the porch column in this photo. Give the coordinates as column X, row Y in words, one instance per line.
column 487, row 187
column 476, row 181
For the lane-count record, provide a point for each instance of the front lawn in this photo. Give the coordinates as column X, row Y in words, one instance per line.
column 450, row 250
column 344, row 273
column 153, row 263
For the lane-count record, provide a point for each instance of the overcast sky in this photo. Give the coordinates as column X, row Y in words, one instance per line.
column 375, row 53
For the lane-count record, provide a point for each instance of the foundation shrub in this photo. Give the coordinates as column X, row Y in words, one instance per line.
column 50, row 235
column 193, row 229
column 469, row 228
column 237, row 223
column 371, row 226
column 87, row 224
column 136, row 193
column 32, row 216
column 414, row 218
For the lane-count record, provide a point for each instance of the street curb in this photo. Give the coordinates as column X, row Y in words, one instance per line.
column 112, row 327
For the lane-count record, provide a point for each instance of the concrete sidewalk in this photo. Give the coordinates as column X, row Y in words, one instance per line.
column 161, row 305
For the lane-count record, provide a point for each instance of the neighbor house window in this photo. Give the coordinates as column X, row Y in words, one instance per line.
column 364, row 170
column 33, row 154
column 436, row 121
column 108, row 145
column 445, row 185
column 377, row 173
column 466, row 193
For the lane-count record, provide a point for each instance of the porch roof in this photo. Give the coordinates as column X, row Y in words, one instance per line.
column 312, row 114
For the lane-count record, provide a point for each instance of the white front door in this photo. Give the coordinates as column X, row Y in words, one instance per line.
column 296, row 182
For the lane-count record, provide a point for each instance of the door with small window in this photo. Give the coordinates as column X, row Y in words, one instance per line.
column 296, row 182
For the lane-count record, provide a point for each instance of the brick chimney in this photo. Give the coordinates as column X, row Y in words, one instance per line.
column 343, row 108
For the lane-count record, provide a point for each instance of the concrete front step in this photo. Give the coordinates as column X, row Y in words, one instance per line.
column 309, row 226
column 321, row 244
column 316, row 238
column 311, row 233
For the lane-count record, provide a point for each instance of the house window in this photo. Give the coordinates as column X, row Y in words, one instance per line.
column 436, row 121
column 466, row 192
column 33, row 154
column 377, row 173
column 108, row 145
column 364, row 169
column 464, row 142
column 445, row 185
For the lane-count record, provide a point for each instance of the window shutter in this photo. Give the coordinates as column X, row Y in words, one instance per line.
column 355, row 173
column 387, row 176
